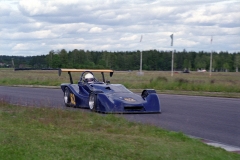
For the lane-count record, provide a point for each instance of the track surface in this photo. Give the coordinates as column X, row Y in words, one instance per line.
column 216, row 119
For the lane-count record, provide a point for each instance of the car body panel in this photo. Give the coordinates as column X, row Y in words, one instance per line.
column 112, row 98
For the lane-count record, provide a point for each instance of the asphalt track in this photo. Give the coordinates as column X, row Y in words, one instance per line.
column 216, row 119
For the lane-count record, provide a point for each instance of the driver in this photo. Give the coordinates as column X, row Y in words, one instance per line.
column 89, row 78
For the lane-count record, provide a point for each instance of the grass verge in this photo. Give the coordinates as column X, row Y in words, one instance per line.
column 220, row 82
column 44, row 133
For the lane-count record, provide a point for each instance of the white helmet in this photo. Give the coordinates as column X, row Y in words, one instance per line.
column 89, row 77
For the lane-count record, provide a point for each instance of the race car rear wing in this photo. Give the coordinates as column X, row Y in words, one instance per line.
column 102, row 71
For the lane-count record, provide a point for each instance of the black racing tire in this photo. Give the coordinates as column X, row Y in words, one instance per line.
column 92, row 102
column 66, row 97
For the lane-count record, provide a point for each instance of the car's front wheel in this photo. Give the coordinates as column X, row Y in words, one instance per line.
column 92, row 101
column 66, row 97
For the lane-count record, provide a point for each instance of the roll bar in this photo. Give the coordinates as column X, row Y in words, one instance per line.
column 102, row 71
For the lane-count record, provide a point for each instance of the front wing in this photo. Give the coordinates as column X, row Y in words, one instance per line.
column 106, row 104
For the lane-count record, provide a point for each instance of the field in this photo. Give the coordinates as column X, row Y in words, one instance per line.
column 219, row 84
column 45, row 133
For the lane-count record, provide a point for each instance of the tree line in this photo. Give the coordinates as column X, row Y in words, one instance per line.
column 128, row 60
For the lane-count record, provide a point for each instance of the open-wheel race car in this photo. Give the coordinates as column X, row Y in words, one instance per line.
column 102, row 96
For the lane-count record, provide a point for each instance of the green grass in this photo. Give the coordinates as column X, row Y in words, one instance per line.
column 184, row 84
column 44, row 133
column 227, row 82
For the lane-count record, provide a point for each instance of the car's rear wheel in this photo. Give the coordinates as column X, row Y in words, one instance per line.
column 66, row 97
column 92, row 101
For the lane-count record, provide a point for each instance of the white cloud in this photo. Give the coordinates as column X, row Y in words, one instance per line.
column 42, row 34
column 95, row 30
column 82, row 30
column 130, row 38
column 107, row 15
column 114, row 25
column 21, row 46
column 36, row 7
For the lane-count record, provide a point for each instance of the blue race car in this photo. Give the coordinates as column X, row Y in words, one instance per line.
column 101, row 96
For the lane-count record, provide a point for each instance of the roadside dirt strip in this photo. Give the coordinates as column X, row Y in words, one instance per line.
column 226, row 147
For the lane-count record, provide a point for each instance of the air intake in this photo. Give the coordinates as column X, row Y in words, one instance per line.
column 133, row 108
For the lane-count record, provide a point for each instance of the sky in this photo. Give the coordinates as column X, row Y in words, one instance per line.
column 35, row 27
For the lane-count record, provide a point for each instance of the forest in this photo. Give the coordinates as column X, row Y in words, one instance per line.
column 129, row 60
